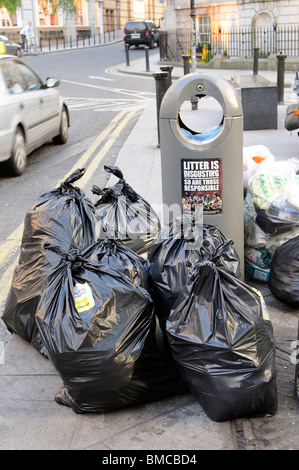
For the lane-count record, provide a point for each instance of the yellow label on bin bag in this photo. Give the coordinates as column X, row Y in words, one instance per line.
column 265, row 313
column 83, row 297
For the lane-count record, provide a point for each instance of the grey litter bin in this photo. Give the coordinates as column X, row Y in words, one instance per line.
column 209, row 171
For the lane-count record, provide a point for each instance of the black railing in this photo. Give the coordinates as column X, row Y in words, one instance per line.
column 241, row 42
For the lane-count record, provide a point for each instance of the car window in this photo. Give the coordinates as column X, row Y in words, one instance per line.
column 5, row 39
column 135, row 25
column 33, row 81
column 13, row 78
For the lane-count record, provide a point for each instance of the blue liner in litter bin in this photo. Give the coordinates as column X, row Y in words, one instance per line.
column 204, row 136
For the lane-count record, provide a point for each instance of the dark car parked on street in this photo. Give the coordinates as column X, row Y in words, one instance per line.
column 141, row 32
column 11, row 47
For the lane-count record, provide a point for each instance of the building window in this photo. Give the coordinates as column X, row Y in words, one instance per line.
column 138, row 9
column 48, row 13
column 82, row 12
column 7, row 19
column 204, row 30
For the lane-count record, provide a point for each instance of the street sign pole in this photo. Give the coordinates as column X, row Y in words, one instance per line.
column 193, row 37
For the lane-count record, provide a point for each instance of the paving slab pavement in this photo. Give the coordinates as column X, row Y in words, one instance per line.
column 30, row 419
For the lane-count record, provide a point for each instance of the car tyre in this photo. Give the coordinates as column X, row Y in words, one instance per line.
column 151, row 44
column 17, row 162
column 62, row 137
column 19, row 53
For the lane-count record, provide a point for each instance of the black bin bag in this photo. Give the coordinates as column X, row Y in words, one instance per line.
column 116, row 255
column 180, row 244
column 99, row 330
column 63, row 217
column 222, row 341
column 284, row 272
column 124, row 215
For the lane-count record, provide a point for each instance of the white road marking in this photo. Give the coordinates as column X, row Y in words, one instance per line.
column 105, row 104
column 121, row 91
column 102, row 78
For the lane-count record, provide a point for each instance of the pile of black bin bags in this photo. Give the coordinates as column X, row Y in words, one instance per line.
column 93, row 297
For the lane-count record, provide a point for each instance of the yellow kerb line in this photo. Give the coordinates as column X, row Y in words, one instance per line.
column 8, row 248
column 82, row 160
column 99, row 157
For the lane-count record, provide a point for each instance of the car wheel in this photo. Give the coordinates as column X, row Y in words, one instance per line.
column 62, row 137
column 151, row 44
column 19, row 52
column 17, row 162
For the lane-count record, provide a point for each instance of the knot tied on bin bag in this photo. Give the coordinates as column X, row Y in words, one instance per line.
column 222, row 341
column 60, row 217
column 180, row 244
column 99, row 331
column 116, row 255
column 124, row 215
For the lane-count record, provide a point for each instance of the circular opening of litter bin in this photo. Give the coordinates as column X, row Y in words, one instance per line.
column 201, row 118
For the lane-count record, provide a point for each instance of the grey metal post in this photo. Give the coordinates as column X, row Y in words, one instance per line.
column 127, row 54
column 255, row 60
column 163, row 42
column 186, row 59
column 280, row 77
column 146, row 48
column 193, row 37
column 161, row 88
column 167, row 68
column 194, row 103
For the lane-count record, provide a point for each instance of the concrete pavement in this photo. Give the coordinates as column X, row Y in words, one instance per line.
column 30, row 419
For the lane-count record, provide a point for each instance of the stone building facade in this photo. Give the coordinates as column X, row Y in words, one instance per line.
column 93, row 16
column 217, row 21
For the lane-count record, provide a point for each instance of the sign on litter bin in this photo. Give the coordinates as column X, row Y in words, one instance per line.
column 204, row 168
column 201, row 184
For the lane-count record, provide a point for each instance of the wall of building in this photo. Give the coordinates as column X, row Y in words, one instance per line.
column 95, row 16
column 225, row 14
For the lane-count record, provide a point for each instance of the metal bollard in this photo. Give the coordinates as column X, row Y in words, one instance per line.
column 161, row 88
column 186, row 59
column 167, row 68
column 280, row 77
column 147, row 65
column 127, row 54
column 194, row 103
column 255, row 60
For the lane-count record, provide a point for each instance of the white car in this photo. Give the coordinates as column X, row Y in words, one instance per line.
column 31, row 114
